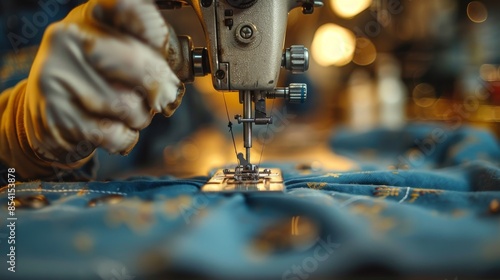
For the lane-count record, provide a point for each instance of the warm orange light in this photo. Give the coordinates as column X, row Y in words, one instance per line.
column 215, row 99
column 477, row 12
column 365, row 53
column 424, row 95
column 333, row 45
column 489, row 72
column 349, row 8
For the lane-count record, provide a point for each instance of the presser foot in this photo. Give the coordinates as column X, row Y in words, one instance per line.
column 245, row 180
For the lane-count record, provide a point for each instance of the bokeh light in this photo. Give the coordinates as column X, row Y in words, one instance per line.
column 349, row 8
column 333, row 45
column 365, row 53
column 489, row 72
column 424, row 95
column 477, row 12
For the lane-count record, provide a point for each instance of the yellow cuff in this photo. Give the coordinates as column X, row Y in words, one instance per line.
column 15, row 150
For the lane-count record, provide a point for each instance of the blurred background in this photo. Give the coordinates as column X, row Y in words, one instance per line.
column 377, row 63
column 387, row 62
column 374, row 63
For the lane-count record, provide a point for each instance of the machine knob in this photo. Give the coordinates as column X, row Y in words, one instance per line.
column 201, row 64
column 241, row 4
column 297, row 93
column 296, row 59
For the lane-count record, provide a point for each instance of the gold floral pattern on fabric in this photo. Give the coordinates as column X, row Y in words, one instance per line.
column 135, row 214
column 385, row 191
column 316, row 186
column 417, row 192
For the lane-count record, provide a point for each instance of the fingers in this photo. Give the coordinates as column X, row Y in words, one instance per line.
column 78, row 131
column 125, row 60
column 117, row 138
column 133, row 64
column 129, row 107
column 107, row 80
column 139, row 18
column 170, row 108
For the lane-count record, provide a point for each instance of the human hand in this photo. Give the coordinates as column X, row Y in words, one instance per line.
column 98, row 78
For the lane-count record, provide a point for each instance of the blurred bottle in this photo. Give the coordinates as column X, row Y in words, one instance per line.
column 362, row 101
column 391, row 92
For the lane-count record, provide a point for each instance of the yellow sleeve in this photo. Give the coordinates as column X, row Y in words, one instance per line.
column 15, row 151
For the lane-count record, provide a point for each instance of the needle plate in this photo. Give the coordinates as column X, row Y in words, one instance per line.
column 270, row 180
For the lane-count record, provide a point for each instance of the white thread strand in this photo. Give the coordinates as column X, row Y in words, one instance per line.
column 406, row 195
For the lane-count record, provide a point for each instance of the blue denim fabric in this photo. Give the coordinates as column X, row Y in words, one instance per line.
column 438, row 218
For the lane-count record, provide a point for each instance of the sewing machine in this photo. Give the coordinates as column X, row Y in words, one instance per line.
column 244, row 53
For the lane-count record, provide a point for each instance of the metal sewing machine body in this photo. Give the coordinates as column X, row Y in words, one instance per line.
column 244, row 53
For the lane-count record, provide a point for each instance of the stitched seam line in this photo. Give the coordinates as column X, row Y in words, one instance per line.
column 69, row 190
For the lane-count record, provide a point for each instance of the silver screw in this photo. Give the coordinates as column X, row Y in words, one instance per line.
column 246, row 32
